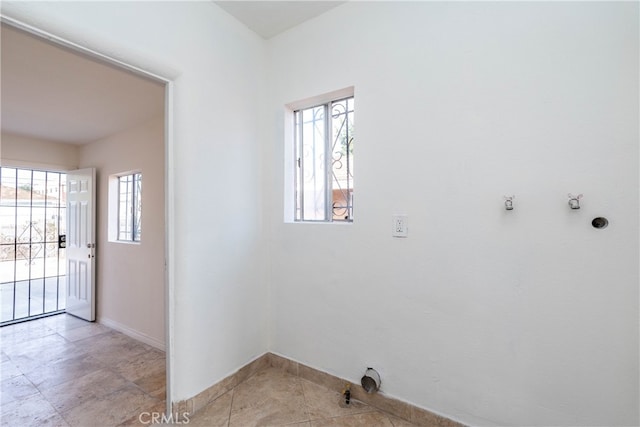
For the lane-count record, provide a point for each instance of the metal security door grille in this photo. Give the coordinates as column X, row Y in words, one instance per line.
column 32, row 264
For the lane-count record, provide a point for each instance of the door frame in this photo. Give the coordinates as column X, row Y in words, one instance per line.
column 164, row 76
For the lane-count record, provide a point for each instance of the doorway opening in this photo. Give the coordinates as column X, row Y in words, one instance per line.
column 32, row 244
column 164, row 180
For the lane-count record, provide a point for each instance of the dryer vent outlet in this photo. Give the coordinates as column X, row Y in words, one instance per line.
column 371, row 381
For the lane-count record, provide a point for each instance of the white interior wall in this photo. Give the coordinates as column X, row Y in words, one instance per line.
column 21, row 151
column 217, row 68
column 528, row 317
column 130, row 277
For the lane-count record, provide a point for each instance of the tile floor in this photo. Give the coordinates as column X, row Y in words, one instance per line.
column 273, row 397
column 62, row 371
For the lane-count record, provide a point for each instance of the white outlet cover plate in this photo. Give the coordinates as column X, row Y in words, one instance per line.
column 400, row 225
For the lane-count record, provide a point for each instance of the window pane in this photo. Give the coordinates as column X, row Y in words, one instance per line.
column 7, row 225
column 51, row 259
column 39, row 189
column 24, row 187
column 37, row 261
column 7, row 259
column 37, row 230
column 9, row 185
column 23, row 264
column 298, row 169
column 124, row 209
column 23, row 224
column 6, row 297
column 324, row 146
column 53, row 189
column 51, row 227
column 342, row 159
column 313, row 164
column 22, row 299
column 62, row 264
column 62, row 221
column 51, row 294
column 137, row 207
column 36, row 296
column 130, row 207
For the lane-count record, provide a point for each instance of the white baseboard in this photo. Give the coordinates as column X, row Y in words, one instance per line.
column 132, row 333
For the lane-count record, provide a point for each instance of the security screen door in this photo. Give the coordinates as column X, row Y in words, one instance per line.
column 32, row 260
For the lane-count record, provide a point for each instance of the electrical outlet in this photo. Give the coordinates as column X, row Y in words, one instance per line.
column 400, row 226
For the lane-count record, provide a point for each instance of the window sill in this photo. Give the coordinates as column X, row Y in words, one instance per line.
column 125, row 242
column 323, row 223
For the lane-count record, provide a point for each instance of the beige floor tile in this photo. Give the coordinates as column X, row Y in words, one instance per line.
column 16, row 388
column 33, row 411
column 113, row 348
column 324, row 403
column 207, row 396
column 322, row 378
column 78, row 390
column 17, row 347
column 36, row 357
column 84, row 331
column 422, row 417
column 51, row 375
column 398, row 422
column 104, row 341
column 369, row 419
column 269, row 398
column 141, row 364
column 215, row 414
column 382, row 402
column 154, row 384
column 23, row 332
column 76, row 366
column 151, row 416
column 112, row 409
column 8, row 370
column 62, row 322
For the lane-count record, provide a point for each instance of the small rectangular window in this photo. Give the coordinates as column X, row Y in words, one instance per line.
column 323, row 137
column 130, row 207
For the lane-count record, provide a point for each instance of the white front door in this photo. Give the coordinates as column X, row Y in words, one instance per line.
column 81, row 245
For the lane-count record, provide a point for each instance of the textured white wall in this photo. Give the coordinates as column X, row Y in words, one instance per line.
column 20, row 151
column 217, row 66
column 130, row 277
column 528, row 317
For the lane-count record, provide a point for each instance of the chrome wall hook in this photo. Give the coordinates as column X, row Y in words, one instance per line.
column 574, row 201
column 508, row 202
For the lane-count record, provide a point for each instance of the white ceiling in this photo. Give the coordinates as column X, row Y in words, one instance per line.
column 269, row 18
column 52, row 93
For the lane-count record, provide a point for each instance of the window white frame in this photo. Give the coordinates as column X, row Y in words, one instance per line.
column 125, row 216
column 294, row 185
